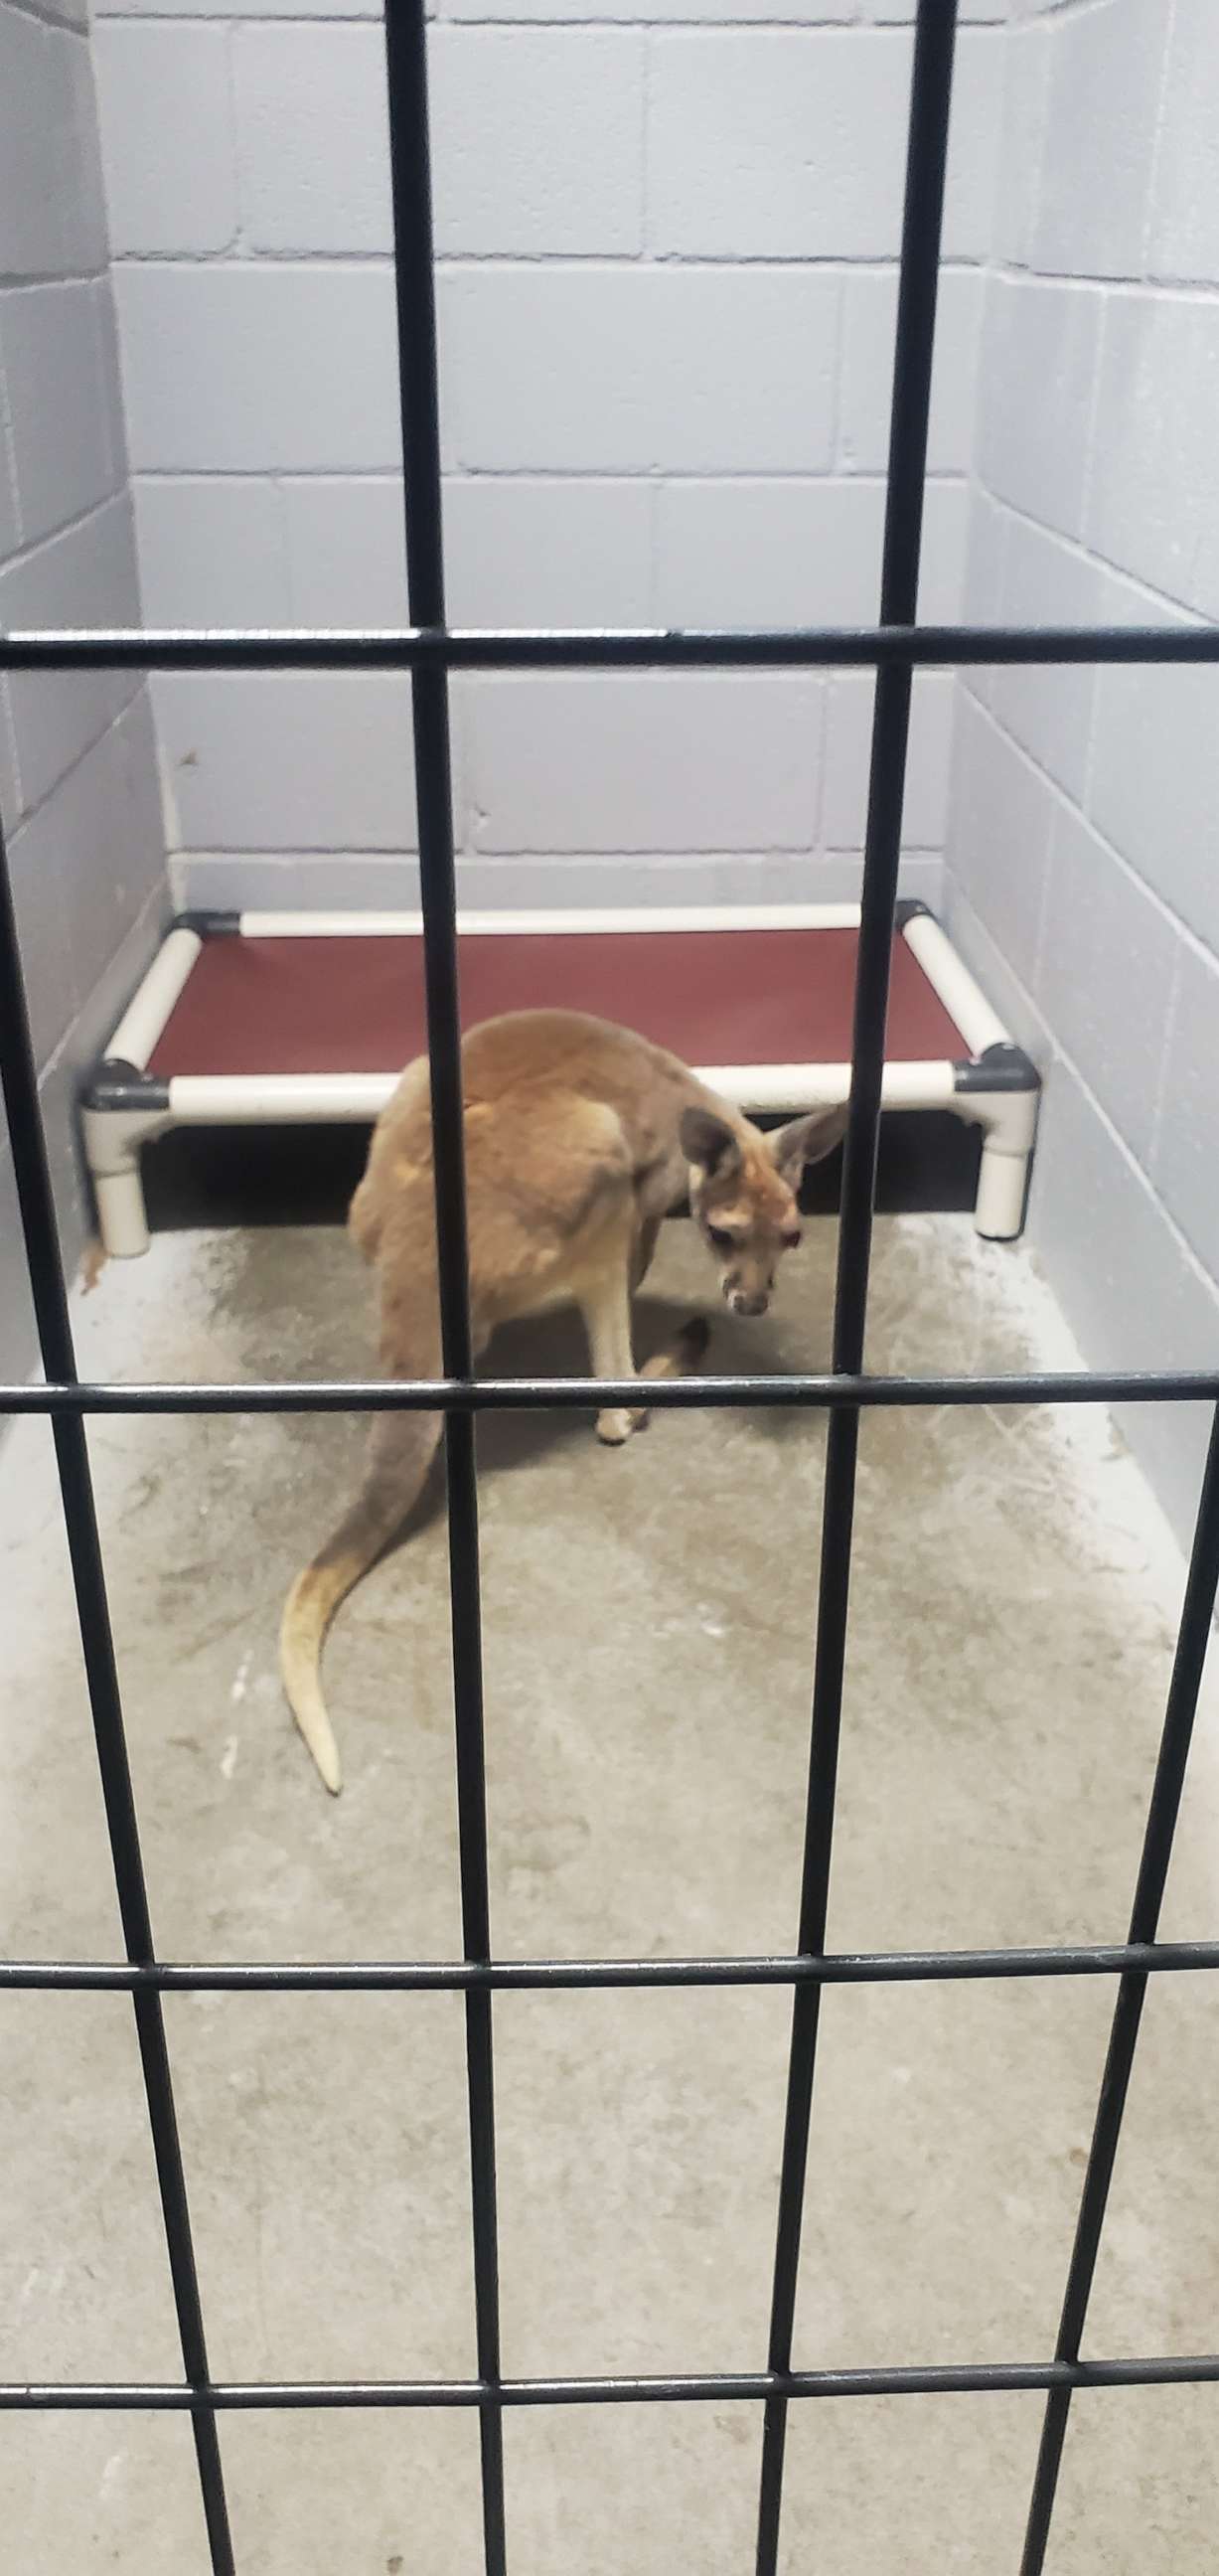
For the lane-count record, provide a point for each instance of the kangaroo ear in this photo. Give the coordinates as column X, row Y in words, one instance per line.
column 806, row 1140
column 708, row 1142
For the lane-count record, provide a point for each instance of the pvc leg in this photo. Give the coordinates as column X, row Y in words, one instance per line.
column 1002, row 1183
column 121, row 1215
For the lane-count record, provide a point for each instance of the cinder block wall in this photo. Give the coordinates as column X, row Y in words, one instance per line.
column 668, row 246
column 1083, row 842
column 79, row 795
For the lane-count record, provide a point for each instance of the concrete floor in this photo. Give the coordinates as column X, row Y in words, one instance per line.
column 649, row 1636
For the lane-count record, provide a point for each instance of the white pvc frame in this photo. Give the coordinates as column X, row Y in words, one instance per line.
column 114, row 1137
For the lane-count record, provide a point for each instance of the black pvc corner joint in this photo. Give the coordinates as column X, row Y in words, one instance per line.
column 910, row 907
column 1001, row 1067
column 208, row 925
column 117, row 1085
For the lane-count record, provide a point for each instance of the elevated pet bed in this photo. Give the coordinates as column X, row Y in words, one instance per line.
column 258, row 1018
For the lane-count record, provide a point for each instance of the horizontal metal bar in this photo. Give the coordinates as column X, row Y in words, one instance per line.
column 948, row 2379
column 653, row 648
column 459, row 1976
column 589, row 1394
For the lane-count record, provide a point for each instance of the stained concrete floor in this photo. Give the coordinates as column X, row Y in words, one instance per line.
column 649, row 1642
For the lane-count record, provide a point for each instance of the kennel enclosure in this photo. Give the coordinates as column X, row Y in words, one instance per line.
column 428, row 649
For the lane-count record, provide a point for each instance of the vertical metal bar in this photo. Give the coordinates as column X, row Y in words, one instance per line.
column 1193, row 1641
column 415, row 287
column 19, row 1082
column 927, row 144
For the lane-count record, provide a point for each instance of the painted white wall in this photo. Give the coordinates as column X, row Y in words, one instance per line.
column 79, row 796
column 667, row 244
column 1082, row 874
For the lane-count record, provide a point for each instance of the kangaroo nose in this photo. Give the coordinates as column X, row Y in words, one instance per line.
column 743, row 1305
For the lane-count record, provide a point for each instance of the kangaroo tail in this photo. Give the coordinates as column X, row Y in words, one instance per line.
column 403, row 1446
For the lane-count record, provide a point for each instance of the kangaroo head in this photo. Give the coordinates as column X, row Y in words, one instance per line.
column 743, row 1194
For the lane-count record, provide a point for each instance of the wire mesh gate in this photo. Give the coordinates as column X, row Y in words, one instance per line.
column 429, row 650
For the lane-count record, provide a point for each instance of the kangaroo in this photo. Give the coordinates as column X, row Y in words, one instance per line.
column 580, row 1138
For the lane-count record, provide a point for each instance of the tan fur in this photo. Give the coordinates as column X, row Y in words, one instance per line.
column 580, row 1138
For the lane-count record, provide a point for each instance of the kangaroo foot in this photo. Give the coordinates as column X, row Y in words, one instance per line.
column 681, row 1359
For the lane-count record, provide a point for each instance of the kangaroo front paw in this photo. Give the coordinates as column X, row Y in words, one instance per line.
column 617, row 1425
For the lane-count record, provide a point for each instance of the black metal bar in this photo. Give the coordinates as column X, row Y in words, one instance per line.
column 415, row 291
column 19, row 1083
column 1193, row 1644
column 562, row 1976
column 937, row 2379
column 926, row 154
column 586, row 1394
column 649, row 648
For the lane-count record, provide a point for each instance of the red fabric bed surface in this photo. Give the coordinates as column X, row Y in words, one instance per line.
column 355, row 1004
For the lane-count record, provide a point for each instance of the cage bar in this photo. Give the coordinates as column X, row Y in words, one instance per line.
column 817, row 1393
column 594, row 648
column 708, row 2388
column 927, row 147
column 562, row 1976
column 419, row 396
column 1193, row 1643
column 19, row 1084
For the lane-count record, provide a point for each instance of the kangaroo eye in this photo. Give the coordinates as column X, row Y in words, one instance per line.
column 723, row 1242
